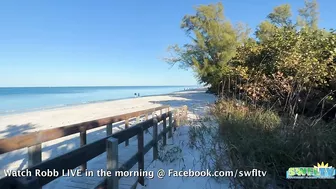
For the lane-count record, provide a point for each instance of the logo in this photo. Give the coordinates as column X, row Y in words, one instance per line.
column 321, row 171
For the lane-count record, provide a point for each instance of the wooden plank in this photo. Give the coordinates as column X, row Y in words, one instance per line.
column 112, row 163
column 155, row 136
column 34, row 155
column 170, row 133
column 164, row 142
column 82, row 137
column 109, row 129
column 137, row 120
column 175, row 119
column 141, row 157
column 126, row 127
column 35, row 138
column 146, row 118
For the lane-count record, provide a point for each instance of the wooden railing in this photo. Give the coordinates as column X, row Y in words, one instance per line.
column 86, row 152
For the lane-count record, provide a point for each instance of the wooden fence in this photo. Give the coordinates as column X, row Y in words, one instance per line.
column 80, row 156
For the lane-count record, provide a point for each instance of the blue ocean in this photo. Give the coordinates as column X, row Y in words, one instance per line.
column 22, row 99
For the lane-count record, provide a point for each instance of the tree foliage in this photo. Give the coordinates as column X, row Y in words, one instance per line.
column 281, row 15
column 288, row 65
column 308, row 15
column 214, row 41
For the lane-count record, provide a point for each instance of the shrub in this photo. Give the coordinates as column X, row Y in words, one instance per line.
column 252, row 137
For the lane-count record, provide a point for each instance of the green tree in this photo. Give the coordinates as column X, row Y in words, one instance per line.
column 279, row 18
column 309, row 15
column 265, row 31
column 281, row 15
column 284, row 63
column 213, row 44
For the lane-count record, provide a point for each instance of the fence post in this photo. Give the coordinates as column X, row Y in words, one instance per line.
column 146, row 117
column 164, row 129
column 155, row 138
column 126, row 127
column 109, row 129
column 175, row 119
column 141, row 158
column 137, row 119
column 34, row 155
column 112, row 162
column 170, row 133
column 82, row 136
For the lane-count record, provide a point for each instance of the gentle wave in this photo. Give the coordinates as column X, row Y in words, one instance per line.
column 21, row 102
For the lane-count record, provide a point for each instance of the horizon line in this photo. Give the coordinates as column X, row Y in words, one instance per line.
column 100, row 86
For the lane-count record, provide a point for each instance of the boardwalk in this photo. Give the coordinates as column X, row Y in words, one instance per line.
column 125, row 152
column 58, row 147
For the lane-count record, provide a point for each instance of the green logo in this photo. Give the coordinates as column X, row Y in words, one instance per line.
column 321, row 171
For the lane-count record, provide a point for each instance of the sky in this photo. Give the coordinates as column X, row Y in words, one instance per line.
column 109, row 42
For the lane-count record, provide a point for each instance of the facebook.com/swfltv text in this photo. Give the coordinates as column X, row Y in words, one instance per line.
column 161, row 173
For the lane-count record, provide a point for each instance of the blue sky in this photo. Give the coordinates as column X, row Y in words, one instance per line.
column 108, row 42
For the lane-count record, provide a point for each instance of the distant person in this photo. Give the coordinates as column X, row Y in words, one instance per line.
column 138, row 94
column 135, row 94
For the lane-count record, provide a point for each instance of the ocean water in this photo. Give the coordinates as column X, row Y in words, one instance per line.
column 22, row 99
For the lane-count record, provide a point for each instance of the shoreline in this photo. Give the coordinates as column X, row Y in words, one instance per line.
column 196, row 100
column 21, row 123
column 85, row 103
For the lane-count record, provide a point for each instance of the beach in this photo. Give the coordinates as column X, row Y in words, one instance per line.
column 11, row 125
column 15, row 124
column 16, row 100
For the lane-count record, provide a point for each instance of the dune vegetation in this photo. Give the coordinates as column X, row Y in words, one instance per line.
column 276, row 92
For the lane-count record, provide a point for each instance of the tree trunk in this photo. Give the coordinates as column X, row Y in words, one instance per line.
column 223, row 86
column 229, row 85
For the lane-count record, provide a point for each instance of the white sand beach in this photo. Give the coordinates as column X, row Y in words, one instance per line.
column 11, row 125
